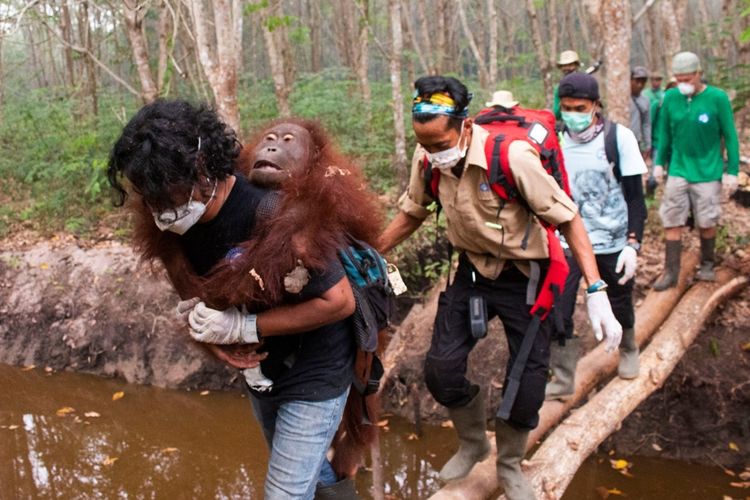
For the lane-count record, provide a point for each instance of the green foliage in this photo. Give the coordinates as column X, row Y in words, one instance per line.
column 253, row 7
column 54, row 163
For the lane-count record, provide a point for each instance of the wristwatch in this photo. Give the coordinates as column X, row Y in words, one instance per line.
column 597, row 286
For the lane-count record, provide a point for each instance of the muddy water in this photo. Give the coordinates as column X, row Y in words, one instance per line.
column 155, row 443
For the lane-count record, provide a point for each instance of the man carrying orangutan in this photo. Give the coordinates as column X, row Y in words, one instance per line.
column 228, row 244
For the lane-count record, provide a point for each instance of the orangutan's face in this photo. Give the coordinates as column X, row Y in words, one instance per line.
column 284, row 150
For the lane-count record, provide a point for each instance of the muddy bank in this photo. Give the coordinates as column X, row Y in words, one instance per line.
column 97, row 310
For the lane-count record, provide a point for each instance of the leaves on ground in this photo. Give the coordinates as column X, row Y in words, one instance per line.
column 109, row 461
column 64, row 411
column 605, row 492
column 733, row 446
column 118, row 395
column 91, row 414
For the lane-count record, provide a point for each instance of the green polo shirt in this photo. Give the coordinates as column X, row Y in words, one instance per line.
column 690, row 134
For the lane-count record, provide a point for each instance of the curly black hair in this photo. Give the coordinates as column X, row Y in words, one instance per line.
column 158, row 152
column 433, row 84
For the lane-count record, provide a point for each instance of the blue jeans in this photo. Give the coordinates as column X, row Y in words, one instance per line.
column 299, row 434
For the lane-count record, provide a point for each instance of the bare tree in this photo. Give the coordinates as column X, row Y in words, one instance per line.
column 615, row 17
column 133, row 13
column 492, row 55
column 220, row 53
column 670, row 30
column 481, row 66
column 275, row 40
column 399, row 132
column 84, row 35
column 541, row 56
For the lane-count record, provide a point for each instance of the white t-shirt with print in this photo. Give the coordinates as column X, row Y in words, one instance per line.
column 596, row 190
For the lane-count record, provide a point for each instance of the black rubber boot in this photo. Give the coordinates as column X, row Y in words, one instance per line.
column 342, row 490
column 629, row 363
column 706, row 272
column 671, row 266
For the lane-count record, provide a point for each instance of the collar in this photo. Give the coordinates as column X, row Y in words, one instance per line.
column 475, row 155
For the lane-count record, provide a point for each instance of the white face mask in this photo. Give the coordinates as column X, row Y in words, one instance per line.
column 179, row 219
column 450, row 157
column 686, row 88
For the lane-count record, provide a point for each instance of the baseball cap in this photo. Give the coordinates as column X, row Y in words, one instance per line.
column 639, row 72
column 579, row 85
column 685, row 62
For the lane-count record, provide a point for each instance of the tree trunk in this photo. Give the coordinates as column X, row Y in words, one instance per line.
column 670, row 31
column 84, row 29
column 616, row 23
column 37, row 68
column 282, row 87
column 362, row 61
column 220, row 54
column 554, row 34
column 399, row 132
column 424, row 30
column 134, row 13
column 413, row 41
column 492, row 55
column 541, row 56
column 316, row 48
column 591, row 370
column 67, row 35
column 166, row 43
column 556, row 461
column 441, row 44
column 481, row 67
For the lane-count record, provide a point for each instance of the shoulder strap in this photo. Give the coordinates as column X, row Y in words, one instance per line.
column 610, row 147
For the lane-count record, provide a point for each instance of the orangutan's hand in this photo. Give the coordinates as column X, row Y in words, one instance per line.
column 238, row 356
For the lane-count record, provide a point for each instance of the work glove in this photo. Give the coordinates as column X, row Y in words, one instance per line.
column 230, row 326
column 728, row 185
column 184, row 307
column 603, row 320
column 627, row 260
column 658, row 173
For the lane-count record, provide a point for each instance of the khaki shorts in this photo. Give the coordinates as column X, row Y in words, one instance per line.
column 680, row 196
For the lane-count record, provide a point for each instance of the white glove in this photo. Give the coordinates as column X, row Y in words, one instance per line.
column 222, row 327
column 728, row 184
column 627, row 259
column 658, row 173
column 256, row 380
column 602, row 318
column 184, row 307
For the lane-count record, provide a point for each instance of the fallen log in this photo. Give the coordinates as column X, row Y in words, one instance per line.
column 558, row 458
column 592, row 368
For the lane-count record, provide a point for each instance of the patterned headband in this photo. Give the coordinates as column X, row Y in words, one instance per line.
column 438, row 104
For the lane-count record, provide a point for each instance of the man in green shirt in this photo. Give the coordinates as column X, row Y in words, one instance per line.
column 693, row 120
column 655, row 95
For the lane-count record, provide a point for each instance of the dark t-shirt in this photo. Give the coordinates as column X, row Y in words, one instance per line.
column 311, row 366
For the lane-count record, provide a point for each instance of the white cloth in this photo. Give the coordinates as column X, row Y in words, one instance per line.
column 595, row 189
column 627, row 260
column 603, row 320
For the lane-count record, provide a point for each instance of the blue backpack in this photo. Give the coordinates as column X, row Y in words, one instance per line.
column 368, row 276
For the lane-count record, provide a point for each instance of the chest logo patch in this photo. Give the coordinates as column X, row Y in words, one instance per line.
column 484, row 187
column 703, row 117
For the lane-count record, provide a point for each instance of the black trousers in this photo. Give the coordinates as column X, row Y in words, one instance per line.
column 446, row 363
column 620, row 296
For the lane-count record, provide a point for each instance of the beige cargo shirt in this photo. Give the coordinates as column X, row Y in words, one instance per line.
column 488, row 229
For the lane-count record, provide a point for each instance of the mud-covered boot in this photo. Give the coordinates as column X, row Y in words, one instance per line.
column 511, row 448
column 563, row 361
column 629, row 362
column 470, row 423
column 706, row 272
column 342, row 490
column 671, row 266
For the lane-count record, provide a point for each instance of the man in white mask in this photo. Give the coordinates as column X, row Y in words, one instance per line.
column 496, row 243
column 610, row 200
column 693, row 120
